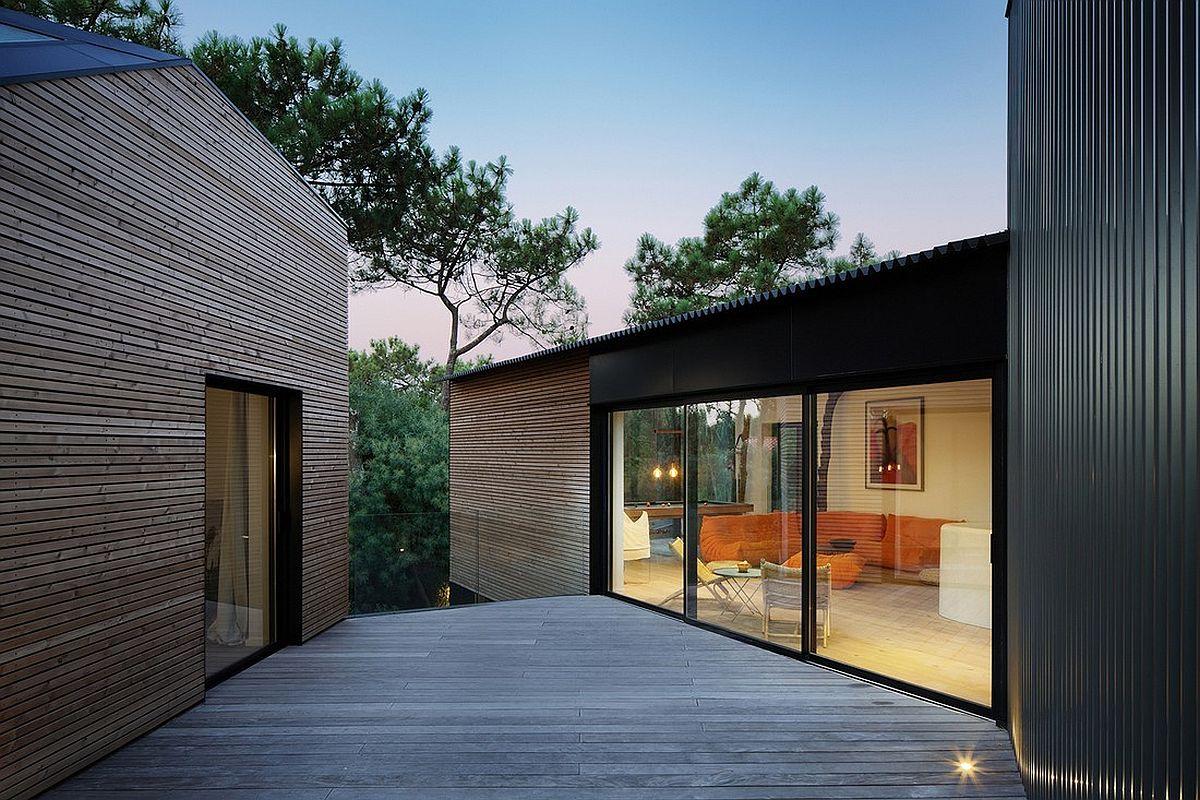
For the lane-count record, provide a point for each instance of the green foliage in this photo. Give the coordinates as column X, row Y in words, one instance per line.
column 361, row 147
column 649, row 442
column 153, row 25
column 399, row 480
column 462, row 244
column 755, row 239
column 400, row 449
column 862, row 251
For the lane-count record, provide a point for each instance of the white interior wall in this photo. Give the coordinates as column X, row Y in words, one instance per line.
column 957, row 453
column 617, row 493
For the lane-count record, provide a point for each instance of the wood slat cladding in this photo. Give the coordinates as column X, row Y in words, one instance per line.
column 519, row 525
column 152, row 239
column 1104, row 436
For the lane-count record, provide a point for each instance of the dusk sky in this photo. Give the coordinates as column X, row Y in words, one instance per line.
column 640, row 114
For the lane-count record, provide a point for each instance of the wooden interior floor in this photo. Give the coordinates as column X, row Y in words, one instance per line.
column 892, row 628
column 579, row 697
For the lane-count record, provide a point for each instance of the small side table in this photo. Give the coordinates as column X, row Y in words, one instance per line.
column 738, row 580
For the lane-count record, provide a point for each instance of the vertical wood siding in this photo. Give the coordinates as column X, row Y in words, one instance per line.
column 151, row 238
column 519, row 479
column 1104, row 480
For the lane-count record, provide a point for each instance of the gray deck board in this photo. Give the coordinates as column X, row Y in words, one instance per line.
column 576, row 697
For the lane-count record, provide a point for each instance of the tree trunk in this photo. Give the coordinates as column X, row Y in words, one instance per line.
column 451, row 364
column 451, row 355
column 743, row 441
column 826, row 439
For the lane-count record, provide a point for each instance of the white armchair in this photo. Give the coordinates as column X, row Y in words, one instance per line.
column 637, row 537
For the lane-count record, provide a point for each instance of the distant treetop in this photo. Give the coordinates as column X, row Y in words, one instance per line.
column 755, row 239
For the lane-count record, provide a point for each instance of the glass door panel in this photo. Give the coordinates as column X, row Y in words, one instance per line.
column 749, row 516
column 904, row 524
column 239, row 525
column 647, row 513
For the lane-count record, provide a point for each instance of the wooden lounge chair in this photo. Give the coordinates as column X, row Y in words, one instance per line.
column 705, row 577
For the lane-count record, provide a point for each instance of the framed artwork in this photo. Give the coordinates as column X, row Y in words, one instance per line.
column 895, row 431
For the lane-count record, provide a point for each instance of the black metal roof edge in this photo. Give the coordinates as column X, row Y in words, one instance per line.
column 104, row 69
column 67, row 33
column 937, row 253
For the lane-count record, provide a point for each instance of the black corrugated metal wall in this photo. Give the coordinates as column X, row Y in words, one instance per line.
column 1104, row 437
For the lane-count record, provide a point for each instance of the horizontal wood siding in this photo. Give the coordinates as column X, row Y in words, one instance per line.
column 519, row 480
column 152, row 238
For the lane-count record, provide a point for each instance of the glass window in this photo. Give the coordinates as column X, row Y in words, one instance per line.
column 239, row 515
column 749, row 491
column 10, row 34
column 647, row 513
column 904, row 520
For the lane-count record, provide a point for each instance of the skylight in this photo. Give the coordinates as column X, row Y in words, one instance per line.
column 11, row 35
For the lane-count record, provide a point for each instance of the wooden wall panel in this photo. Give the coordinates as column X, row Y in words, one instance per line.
column 152, row 238
column 519, row 525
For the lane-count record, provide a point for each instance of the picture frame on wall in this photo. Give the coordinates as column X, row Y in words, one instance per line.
column 895, row 444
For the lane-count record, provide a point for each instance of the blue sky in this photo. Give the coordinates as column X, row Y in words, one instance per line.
column 640, row 114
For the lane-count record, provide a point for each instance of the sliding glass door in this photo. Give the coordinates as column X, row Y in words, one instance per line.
column 749, row 494
column 239, row 525
column 647, row 506
column 711, row 502
column 904, row 487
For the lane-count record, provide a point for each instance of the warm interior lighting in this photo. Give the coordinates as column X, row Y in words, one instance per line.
column 657, row 473
column 673, row 471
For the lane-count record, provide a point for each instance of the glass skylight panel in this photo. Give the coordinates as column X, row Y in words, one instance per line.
column 12, row 35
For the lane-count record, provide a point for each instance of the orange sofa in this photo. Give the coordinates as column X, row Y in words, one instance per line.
column 864, row 529
column 750, row 537
column 889, row 541
column 844, row 567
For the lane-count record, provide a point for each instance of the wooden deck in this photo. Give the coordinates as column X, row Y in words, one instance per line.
column 577, row 697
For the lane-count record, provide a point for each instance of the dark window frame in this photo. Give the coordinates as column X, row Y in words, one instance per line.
column 288, row 540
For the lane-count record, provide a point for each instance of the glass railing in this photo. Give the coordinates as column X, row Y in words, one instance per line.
column 407, row 562
column 399, row 562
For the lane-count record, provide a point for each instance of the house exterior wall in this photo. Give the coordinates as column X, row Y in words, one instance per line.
column 519, row 479
column 1104, row 434
column 152, row 239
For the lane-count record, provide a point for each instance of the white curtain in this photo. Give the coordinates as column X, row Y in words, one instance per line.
column 232, row 543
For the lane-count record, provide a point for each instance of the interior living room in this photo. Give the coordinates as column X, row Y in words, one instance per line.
column 903, row 501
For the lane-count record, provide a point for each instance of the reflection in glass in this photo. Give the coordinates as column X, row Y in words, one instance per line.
column 749, row 494
column 904, row 510
column 239, row 486
column 647, row 491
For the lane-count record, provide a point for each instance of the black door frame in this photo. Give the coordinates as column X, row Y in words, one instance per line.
column 601, row 524
column 287, row 539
